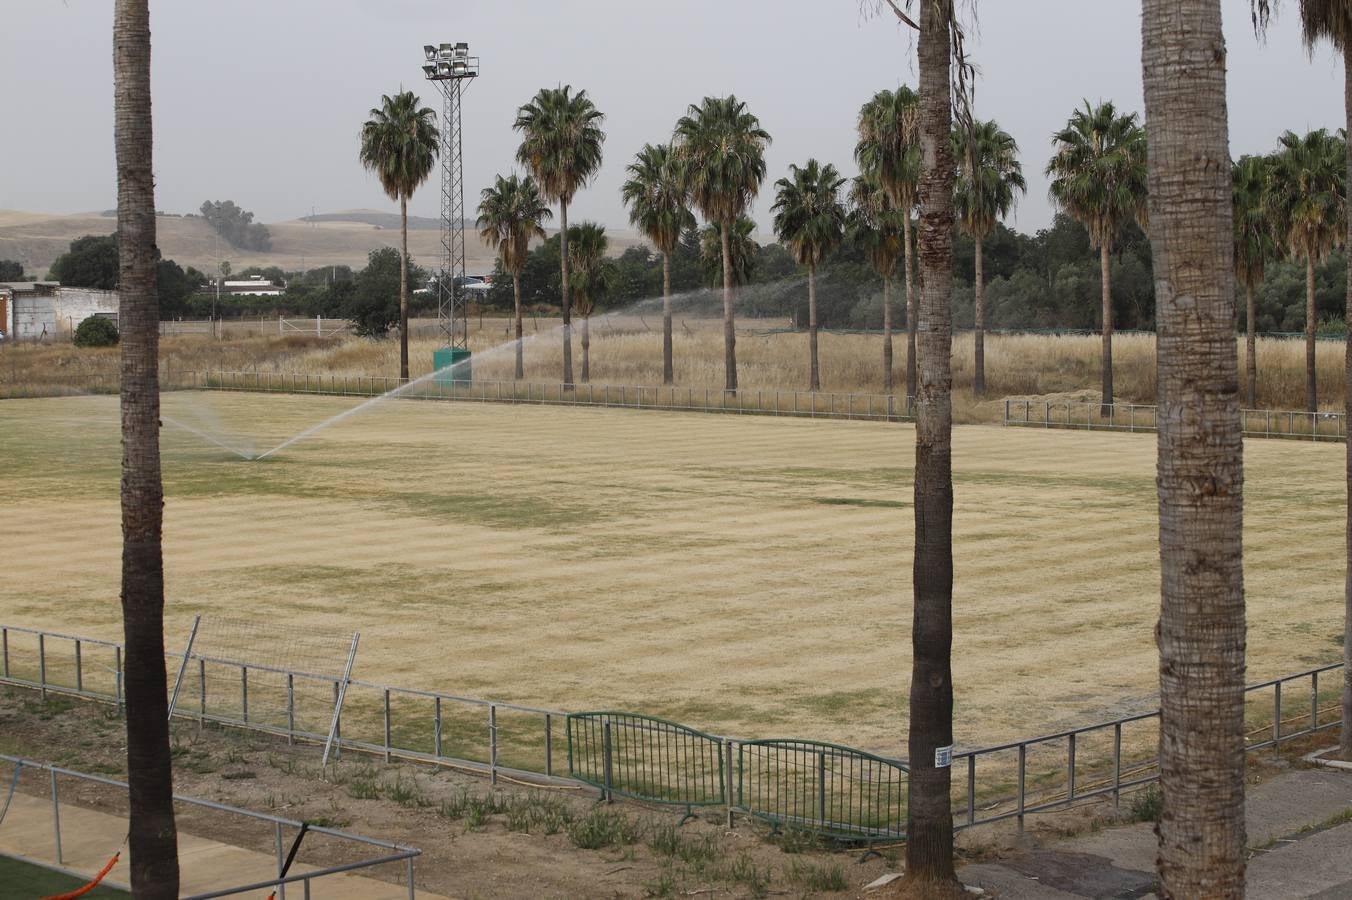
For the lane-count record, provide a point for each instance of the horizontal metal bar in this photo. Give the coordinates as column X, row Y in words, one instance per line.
column 308, row 876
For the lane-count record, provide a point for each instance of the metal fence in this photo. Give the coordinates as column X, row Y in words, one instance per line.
column 664, row 762
column 293, row 842
column 1092, row 416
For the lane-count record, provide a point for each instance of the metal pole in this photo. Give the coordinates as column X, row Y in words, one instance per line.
column 1117, row 764
column 244, row 692
column 492, row 744
column 42, row 664
column 605, row 760
column 549, row 744
column 342, row 694
column 290, row 709
column 4, row 649
column 117, row 678
column 1277, row 713
column 178, row 680
column 436, row 729
column 971, row 789
column 728, row 779
column 821, row 788
column 1314, row 701
column 56, row 817
column 1070, row 769
column 387, row 725
column 79, row 675
column 1023, row 761
column 202, row 697
column 281, row 860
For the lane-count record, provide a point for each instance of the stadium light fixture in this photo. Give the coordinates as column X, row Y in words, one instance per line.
column 430, row 52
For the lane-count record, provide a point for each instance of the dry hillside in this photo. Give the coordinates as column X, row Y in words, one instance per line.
column 35, row 239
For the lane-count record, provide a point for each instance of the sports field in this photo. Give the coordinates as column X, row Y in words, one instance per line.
column 745, row 575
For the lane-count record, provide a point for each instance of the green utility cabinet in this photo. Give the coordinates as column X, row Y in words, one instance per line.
column 452, row 365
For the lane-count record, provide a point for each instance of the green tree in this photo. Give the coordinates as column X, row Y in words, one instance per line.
column 593, row 277
column 1200, row 472
column 399, row 143
column 11, row 270
column 375, row 304
column 735, row 259
column 1253, row 248
column 91, row 262
column 152, row 836
column 722, row 147
column 889, row 147
column 511, row 212
column 236, row 225
column 1307, row 207
column 659, row 207
column 561, row 140
column 990, row 177
column 810, row 218
column 877, row 227
column 1098, row 176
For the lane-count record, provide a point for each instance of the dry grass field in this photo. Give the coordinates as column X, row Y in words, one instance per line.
column 745, row 575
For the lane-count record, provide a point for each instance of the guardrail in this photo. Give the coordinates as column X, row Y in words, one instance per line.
column 659, row 761
column 1092, row 416
column 288, row 835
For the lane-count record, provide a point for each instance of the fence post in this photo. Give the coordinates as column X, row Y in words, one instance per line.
column 387, row 725
column 1314, row 701
column 549, row 744
column 436, row 729
column 1276, row 714
column 281, row 860
column 56, row 817
column 290, row 709
column 79, row 674
column 971, row 789
column 4, row 649
column 492, row 744
column 1070, row 770
column 117, row 678
column 42, row 665
column 1117, row 764
column 605, row 760
column 1023, row 762
column 730, row 799
column 821, row 788
column 244, row 692
column 202, row 699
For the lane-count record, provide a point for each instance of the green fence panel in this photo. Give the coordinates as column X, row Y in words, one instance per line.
column 832, row 790
column 646, row 758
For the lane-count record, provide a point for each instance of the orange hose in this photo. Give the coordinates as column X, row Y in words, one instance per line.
column 93, row 884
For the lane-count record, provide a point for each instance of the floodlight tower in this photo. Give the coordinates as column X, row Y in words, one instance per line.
column 451, row 68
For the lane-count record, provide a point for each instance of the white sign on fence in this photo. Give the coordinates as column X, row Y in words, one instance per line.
column 943, row 757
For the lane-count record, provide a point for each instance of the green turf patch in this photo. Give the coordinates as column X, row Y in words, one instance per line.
column 24, row 881
column 860, row 501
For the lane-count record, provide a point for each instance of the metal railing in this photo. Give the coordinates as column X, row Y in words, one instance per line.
column 645, row 756
column 1088, row 415
column 288, row 835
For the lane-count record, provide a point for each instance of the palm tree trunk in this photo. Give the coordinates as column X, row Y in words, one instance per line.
column 152, row 836
column 1345, row 735
column 1200, row 472
column 814, row 381
column 586, row 349
column 1311, row 393
column 1251, row 350
column 729, row 330
column 929, row 819
column 668, row 375
column 907, row 264
column 1105, row 278
column 887, row 336
column 516, row 306
column 403, row 288
column 566, row 298
column 979, row 357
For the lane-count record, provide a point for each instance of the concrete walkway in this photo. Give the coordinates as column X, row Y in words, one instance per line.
column 89, row 838
column 1298, row 851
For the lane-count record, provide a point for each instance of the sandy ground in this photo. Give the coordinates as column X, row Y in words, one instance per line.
column 749, row 576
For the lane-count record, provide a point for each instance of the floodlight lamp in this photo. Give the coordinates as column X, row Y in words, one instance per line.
column 447, row 51
column 443, row 68
column 462, row 50
column 430, row 70
column 460, row 67
column 430, row 52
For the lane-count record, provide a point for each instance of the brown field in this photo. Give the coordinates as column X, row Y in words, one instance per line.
column 745, row 575
column 627, row 349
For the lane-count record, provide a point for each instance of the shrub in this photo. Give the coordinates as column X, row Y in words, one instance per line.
column 1147, row 805
column 96, row 331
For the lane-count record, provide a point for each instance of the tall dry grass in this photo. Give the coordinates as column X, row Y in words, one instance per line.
column 628, row 350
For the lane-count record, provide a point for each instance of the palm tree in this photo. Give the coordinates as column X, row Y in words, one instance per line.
column 1098, row 177
column 989, row 177
column 877, row 228
column 561, row 140
column 659, row 207
column 1306, row 203
column 722, row 147
column 740, row 252
column 511, row 212
column 810, row 218
column 889, row 147
column 1253, row 247
column 1332, row 20
column 1200, row 475
column 152, row 836
column 399, row 143
column 593, row 276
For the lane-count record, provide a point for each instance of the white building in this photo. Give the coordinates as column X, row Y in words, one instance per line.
column 44, row 310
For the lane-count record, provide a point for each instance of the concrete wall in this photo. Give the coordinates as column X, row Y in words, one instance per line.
column 56, row 316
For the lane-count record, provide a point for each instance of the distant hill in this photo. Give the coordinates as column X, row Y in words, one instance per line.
column 326, row 239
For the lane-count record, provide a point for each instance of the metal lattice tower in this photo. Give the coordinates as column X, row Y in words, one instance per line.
column 451, row 67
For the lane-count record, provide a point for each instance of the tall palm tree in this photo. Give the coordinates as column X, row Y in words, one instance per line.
column 1099, row 178
column 740, row 252
column 399, row 143
column 1253, row 248
column 1332, row 20
column 1306, row 203
column 1201, row 626
column 889, row 147
column 561, row 140
column 592, row 275
column 810, row 218
column 511, row 212
column 152, row 836
column 877, row 228
column 722, row 147
column 659, row 207
column 989, row 178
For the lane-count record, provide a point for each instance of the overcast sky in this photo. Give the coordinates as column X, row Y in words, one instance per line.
column 260, row 101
